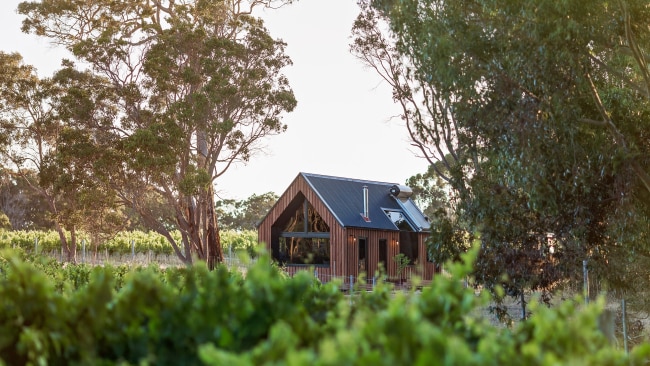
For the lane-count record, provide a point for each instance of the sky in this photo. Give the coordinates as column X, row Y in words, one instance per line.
column 345, row 124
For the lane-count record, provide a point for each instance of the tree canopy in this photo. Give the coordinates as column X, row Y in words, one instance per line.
column 536, row 115
column 174, row 93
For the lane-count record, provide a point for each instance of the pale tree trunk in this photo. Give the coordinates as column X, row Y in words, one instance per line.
column 211, row 241
column 214, row 250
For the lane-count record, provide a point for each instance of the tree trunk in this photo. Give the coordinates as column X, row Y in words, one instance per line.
column 215, row 252
column 69, row 255
column 72, row 253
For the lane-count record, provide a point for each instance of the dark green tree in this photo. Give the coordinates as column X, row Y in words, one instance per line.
column 538, row 111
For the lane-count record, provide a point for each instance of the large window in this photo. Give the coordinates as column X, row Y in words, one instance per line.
column 306, row 219
column 408, row 245
column 302, row 236
column 295, row 250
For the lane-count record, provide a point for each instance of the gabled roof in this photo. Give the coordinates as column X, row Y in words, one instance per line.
column 344, row 199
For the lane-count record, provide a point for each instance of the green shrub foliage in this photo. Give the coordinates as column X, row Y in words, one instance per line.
column 54, row 314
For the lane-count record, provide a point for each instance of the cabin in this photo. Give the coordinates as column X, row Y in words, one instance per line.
column 345, row 228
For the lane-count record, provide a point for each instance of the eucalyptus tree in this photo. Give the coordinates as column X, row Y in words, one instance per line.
column 27, row 127
column 35, row 122
column 428, row 115
column 198, row 86
column 540, row 112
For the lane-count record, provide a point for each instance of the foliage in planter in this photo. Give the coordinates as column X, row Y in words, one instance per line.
column 402, row 262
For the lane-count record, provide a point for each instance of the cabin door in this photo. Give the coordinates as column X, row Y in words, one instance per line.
column 363, row 256
column 383, row 255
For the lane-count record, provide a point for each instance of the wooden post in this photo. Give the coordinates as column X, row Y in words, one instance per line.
column 624, row 327
column 585, row 274
column 351, row 289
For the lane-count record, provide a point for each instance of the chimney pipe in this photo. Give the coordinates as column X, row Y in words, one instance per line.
column 365, row 202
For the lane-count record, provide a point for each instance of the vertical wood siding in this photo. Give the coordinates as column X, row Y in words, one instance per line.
column 344, row 259
column 424, row 269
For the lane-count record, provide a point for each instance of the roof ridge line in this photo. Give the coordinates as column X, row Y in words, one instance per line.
column 346, row 179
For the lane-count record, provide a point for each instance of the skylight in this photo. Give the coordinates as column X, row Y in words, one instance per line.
column 415, row 214
column 399, row 219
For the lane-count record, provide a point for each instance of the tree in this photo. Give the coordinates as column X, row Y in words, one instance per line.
column 538, row 111
column 29, row 125
column 197, row 87
column 449, row 236
column 429, row 192
column 52, row 158
column 428, row 114
column 246, row 214
column 24, row 207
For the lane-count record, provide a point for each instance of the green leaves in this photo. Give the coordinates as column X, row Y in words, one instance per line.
column 194, row 181
column 187, row 316
column 533, row 116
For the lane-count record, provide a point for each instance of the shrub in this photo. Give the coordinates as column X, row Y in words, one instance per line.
column 188, row 316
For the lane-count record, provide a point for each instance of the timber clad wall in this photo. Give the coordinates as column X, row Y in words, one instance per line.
column 344, row 242
column 424, row 269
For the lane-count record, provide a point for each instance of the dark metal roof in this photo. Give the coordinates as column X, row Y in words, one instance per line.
column 344, row 198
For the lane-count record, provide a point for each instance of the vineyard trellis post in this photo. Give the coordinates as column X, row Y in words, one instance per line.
column 585, row 274
column 624, row 326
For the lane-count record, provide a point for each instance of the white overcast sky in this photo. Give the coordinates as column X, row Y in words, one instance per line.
column 345, row 123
